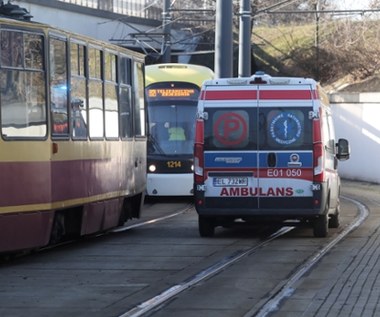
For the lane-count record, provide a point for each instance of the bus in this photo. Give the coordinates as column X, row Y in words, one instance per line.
column 72, row 135
column 172, row 92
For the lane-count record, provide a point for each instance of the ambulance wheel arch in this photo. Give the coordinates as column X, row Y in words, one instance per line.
column 327, row 219
column 334, row 207
column 334, row 220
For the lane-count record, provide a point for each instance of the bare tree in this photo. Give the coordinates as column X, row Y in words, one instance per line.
column 301, row 38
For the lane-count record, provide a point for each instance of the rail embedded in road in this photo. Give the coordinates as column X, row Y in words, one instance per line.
column 287, row 288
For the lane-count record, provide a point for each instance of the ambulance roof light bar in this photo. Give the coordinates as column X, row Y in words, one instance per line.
column 260, row 78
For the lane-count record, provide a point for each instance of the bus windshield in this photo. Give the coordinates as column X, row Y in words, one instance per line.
column 171, row 111
column 172, row 128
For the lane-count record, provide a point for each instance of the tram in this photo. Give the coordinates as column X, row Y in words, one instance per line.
column 172, row 92
column 72, row 135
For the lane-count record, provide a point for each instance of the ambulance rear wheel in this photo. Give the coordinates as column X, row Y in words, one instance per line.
column 321, row 226
column 206, row 226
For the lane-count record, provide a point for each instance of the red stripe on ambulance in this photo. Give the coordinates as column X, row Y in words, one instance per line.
column 287, row 95
column 228, row 94
column 263, row 95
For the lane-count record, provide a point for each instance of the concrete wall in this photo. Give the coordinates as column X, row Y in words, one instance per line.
column 357, row 118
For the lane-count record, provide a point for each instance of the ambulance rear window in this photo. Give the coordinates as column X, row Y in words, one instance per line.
column 228, row 128
column 286, row 128
column 265, row 128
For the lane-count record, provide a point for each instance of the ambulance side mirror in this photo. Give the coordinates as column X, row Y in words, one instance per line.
column 343, row 150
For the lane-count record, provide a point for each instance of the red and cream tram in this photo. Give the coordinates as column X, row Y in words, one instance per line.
column 72, row 135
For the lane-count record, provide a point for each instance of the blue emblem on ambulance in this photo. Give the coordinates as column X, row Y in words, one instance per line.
column 285, row 128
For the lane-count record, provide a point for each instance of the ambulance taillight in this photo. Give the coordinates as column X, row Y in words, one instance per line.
column 198, row 152
column 318, row 163
column 318, row 154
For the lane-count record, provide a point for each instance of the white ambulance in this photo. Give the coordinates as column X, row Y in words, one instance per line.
column 265, row 151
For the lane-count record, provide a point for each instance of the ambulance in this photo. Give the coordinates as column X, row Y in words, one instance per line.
column 265, row 152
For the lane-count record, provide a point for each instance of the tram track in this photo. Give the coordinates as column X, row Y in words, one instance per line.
column 124, row 228
column 152, row 221
column 287, row 288
column 279, row 293
column 163, row 264
column 168, row 294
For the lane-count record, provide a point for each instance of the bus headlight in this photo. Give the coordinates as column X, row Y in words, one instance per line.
column 192, row 167
column 152, row 168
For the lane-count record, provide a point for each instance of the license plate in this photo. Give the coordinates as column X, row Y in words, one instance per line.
column 230, row 181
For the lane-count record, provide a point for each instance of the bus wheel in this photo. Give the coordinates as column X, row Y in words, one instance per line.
column 206, row 226
column 321, row 226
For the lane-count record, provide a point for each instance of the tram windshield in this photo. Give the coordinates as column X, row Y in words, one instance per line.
column 171, row 113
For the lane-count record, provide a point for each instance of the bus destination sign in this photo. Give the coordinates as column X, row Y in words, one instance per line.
column 180, row 93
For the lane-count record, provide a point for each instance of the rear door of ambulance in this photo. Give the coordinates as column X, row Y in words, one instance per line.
column 285, row 158
column 258, row 150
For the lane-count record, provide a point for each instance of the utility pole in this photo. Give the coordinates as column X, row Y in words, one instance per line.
column 223, row 39
column 317, row 14
column 166, row 27
column 245, row 39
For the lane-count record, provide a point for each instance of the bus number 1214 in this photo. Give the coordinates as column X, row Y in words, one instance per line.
column 173, row 164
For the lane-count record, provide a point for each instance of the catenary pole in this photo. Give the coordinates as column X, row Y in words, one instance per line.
column 245, row 39
column 223, row 39
column 166, row 27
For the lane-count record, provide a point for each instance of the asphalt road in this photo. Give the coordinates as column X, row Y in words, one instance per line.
column 109, row 275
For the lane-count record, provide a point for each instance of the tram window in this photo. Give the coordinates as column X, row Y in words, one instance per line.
column 95, row 91
column 77, row 59
column 139, row 106
column 111, row 111
column 110, row 67
column 78, row 105
column 125, row 112
column 12, row 49
column 33, row 51
column 78, row 101
column 95, row 107
column 125, row 70
column 58, row 87
column 94, row 63
column 111, row 106
column 23, row 98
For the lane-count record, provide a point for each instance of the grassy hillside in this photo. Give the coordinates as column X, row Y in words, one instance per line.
column 347, row 51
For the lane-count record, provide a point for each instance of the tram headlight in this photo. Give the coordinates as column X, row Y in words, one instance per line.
column 192, row 167
column 152, row 168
